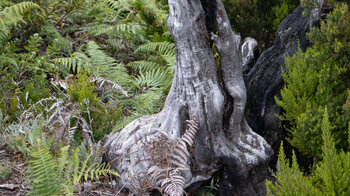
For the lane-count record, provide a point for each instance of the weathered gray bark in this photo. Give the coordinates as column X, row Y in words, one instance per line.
column 264, row 81
column 224, row 138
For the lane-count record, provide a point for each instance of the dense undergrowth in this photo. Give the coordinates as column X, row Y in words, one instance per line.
column 316, row 102
column 73, row 71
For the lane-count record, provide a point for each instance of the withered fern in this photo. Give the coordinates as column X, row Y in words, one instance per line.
column 167, row 177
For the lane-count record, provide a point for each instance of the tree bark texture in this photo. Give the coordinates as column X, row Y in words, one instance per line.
column 217, row 96
column 264, row 81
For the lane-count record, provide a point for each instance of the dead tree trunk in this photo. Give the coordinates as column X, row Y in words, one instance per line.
column 216, row 96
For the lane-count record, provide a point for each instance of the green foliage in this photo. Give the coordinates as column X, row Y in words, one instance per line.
column 23, row 135
column 81, row 90
column 96, row 62
column 51, row 177
column 11, row 15
column 317, row 79
column 331, row 177
column 43, row 171
column 23, row 75
column 281, row 11
column 258, row 19
column 308, row 5
column 289, row 179
column 53, row 36
column 64, row 67
column 101, row 117
column 5, row 171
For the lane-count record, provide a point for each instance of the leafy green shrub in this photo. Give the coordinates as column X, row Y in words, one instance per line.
column 82, row 90
column 23, row 75
column 331, row 177
column 100, row 116
column 318, row 78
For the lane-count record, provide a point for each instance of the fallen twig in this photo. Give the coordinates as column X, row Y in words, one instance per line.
column 9, row 186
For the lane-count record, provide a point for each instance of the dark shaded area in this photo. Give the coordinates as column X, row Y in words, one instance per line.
column 233, row 182
column 257, row 18
column 264, row 80
column 210, row 9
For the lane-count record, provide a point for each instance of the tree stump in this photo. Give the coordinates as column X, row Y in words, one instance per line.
column 200, row 88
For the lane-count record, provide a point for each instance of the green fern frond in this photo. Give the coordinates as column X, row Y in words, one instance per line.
column 148, row 102
column 115, row 44
column 62, row 43
column 154, row 78
column 97, row 170
column 63, row 157
column 12, row 15
column 4, row 4
column 78, row 62
column 98, row 57
column 96, row 62
column 110, row 30
column 100, row 29
column 127, row 28
column 106, row 66
column 144, row 66
column 171, row 60
column 161, row 48
column 42, row 168
column 93, row 171
column 118, row 4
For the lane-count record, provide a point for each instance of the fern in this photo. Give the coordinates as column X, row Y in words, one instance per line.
column 154, row 78
column 12, row 15
column 42, row 168
column 100, row 29
column 62, row 43
column 96, row 62
column 4, row 4
column 120, row 4
column 144, row 66
column 22, row 135
column 78, row 62
column 168, row 178
column 161, row 48
column 51, row 177
column 147, row 102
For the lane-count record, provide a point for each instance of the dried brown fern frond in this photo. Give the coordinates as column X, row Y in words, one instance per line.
column 174, row 184
column 167, row 177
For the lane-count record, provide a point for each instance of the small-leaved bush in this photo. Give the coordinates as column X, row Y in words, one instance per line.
column 331, row 176
column 318, row 78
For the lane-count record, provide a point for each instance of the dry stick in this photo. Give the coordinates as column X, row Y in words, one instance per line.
column 86, row 132
column 122, row 188
column 60, row 90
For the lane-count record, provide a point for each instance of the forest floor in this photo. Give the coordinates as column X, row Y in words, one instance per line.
column 17, row 184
